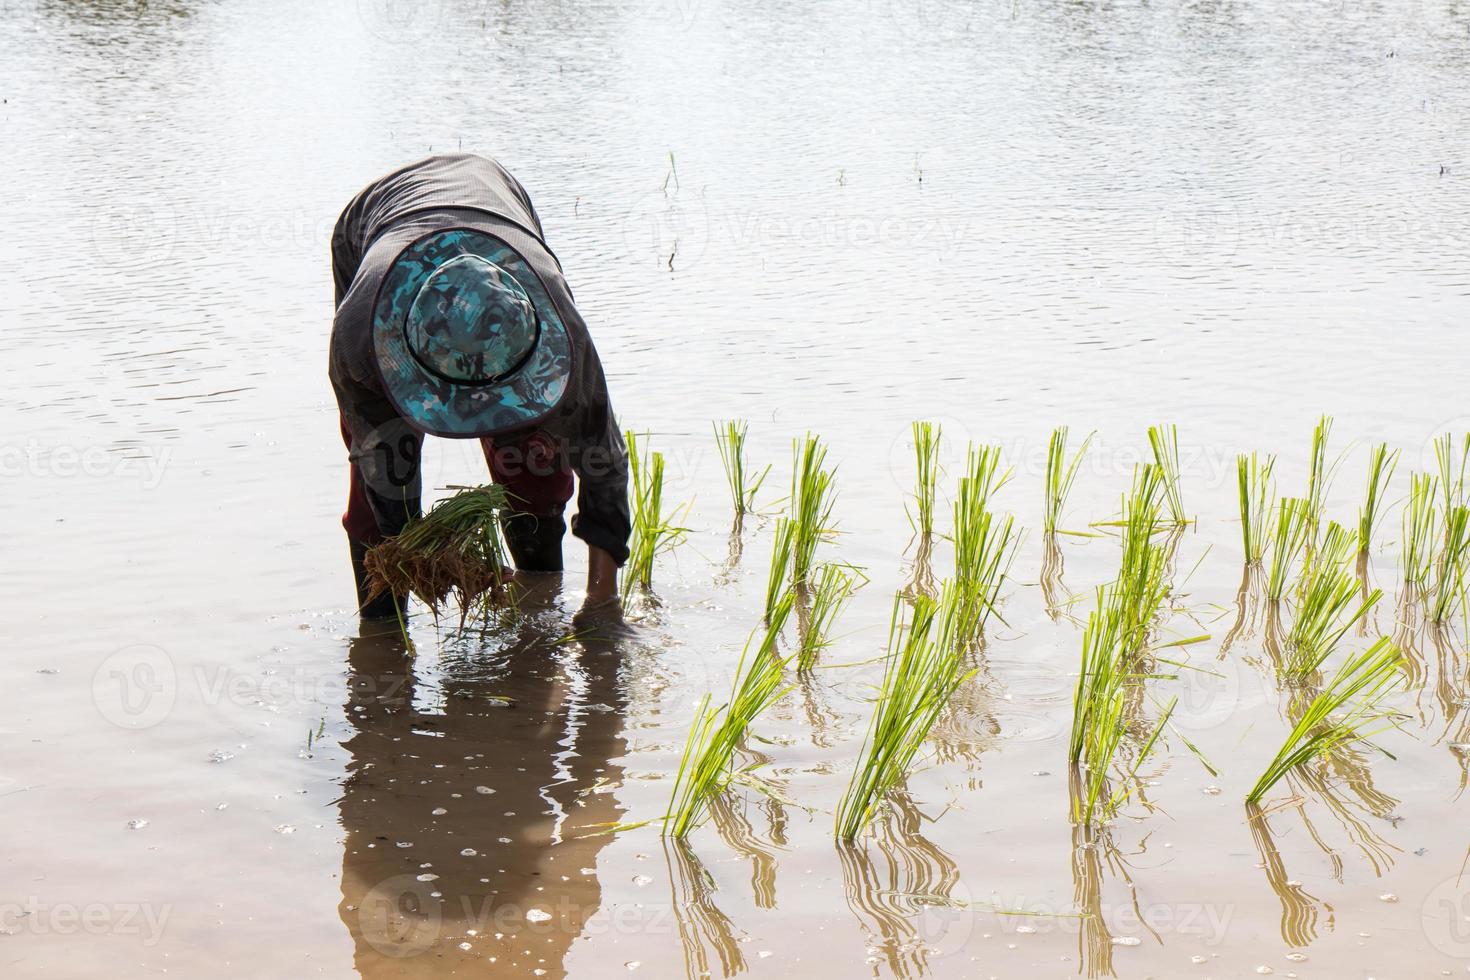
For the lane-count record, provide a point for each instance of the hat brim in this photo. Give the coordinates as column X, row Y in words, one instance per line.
column 440, row 407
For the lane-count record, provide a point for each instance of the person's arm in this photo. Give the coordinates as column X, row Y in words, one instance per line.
column 600, row 461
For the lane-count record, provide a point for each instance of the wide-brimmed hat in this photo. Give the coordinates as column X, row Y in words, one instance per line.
column 467, row 340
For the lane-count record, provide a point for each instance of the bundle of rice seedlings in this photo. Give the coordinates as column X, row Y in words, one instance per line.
column 926, row 458
column 780, row 565
column 1293, row 515
column 1381, row 464
column 834, row 587
column 707, row 765
column 1449, row 586
column 924, row 666
column 454, row 548
column 984, row 543
column 1420, row 519
column 1257, row 500
column 1060, row 475
column 812, row 496
column 1327, row 610
column 730, row 439
column 653, row 531
column 1165, row 443
column 1359, row 686
column 1114, row 642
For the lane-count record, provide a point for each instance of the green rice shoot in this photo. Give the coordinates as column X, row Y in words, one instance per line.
column 813, row 493
column 1347, row 712
column 653, row 531
column 834, row 586
column 924, row 666
column 780, row 565
column 1293, row 515
column 1319, row 479
column 1452, row 467
column 1381, row 466
column 1420, row 524
column 1449, row 587
column 1329, row 604
column 984, row 543
column 1257, row 501
column 1061, row 473
column 730, row 440
column 1165, row 443
column 708, row 763
column 926, row 459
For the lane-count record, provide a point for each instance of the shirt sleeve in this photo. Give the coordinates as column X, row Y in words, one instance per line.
column 600, row 461
column 383, row 447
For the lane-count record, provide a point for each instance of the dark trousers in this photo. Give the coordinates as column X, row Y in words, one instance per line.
column 532, row 471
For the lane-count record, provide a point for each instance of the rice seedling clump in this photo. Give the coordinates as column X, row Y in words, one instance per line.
column 925, row 664
column 653, row 531
column 454, row 549
column 1060, row 475
column 730, row 439
column 707, row 765
column 1359, row 686
column 812, row 496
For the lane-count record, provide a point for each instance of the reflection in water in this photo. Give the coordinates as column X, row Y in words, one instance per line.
column 1054, row 592
column 702, row 926
column 1299, row 909
column 1094, row 941
column 890, row 891
column 967, row 726
column 457, row 801
column 735, row 829
column 1095, row 858
column 921, row 569
column 1247, row 607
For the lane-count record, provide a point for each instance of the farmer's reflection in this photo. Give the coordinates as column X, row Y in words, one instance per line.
column 463, row 813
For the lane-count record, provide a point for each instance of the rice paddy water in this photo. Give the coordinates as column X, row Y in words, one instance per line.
column 1224, row 221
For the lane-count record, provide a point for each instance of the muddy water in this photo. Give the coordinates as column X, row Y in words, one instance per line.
column 1002, row 216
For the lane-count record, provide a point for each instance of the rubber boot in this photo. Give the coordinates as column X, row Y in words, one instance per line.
column 534, row 542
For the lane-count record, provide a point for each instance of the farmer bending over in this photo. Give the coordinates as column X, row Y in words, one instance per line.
column 453, row 319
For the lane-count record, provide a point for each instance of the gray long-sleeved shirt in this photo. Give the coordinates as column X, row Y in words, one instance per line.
column 461, row 190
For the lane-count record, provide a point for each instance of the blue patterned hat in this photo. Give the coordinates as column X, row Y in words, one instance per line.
column 467, row 340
